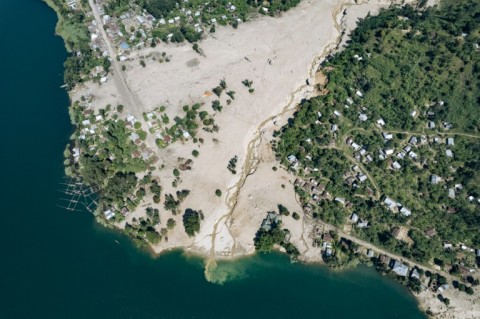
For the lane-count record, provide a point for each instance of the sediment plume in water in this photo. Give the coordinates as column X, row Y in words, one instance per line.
column 222, row 272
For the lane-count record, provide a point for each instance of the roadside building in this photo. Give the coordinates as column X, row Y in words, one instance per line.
column 399, row 268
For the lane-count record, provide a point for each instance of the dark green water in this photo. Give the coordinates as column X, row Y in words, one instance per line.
column 57, row 264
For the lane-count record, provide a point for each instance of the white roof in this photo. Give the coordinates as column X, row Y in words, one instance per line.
column 396, row 165
column 405, row 211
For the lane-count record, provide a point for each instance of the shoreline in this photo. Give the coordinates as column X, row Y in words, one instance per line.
column 210, row 256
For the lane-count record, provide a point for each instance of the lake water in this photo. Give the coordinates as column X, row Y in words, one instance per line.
column 59, row 264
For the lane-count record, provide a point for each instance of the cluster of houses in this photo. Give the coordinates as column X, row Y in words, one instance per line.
column 359, row 222
column 361, row 154
column 396, row 207
column 314, row 188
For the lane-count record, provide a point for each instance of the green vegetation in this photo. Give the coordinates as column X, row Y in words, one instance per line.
column 396, row 63
column 216, row 106
column 232, row 165
column 191, row 222
column 265, row 240
column 171, row 204
column 171, row 223
column 218, row 192
column 72, row 28
column 207, row 14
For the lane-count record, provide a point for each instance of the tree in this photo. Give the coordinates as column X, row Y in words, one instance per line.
column 159, row 8
column 171, row 223
column 191, row 222
column 218, row 192
column 153, row 237
column 176, row 172
column 216, row 106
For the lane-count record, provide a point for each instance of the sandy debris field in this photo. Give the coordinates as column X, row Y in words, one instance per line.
column 280, row 55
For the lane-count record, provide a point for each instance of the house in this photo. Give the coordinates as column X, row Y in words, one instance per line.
column 451, row 193
column 370, row 253
column 355, row 146
column 350, row 181
column 387, row 136
column 431, row 232
column 292, row 158
column 389, row 151
column 337, row 114
column 434, row 179
column 450, row 141
column 380, row 122
column 298, row 182
column 414, row 274
column 108, row 214
column 134, row 136
column 140, row 19
column 396, row 165
column 327, row 237
column 413, row 113
column 349, row 101
column 362, row 151
column 328, row 252
column 359, row 94
column 405, row 211
column 124, row 46
column 72, row 4
column 413, row 140
column 341, row 200
column 384, row 259
column 354, row 218
column 390, row 203
column 413, row 155
column 431, row 125
column 369, row 158
column 363, row 117
column 401, row 154
column 361, row 177
column 447, row 246
column 124, row 211
column 334, row 128
column 449, row 153
column 362, row 224
column 270, row 221
column 442, row 288
column 399, row 268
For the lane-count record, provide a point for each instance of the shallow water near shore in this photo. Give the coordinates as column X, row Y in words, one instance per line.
column 60, row 264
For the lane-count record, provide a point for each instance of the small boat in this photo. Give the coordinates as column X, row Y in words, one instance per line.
column 117, row 241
